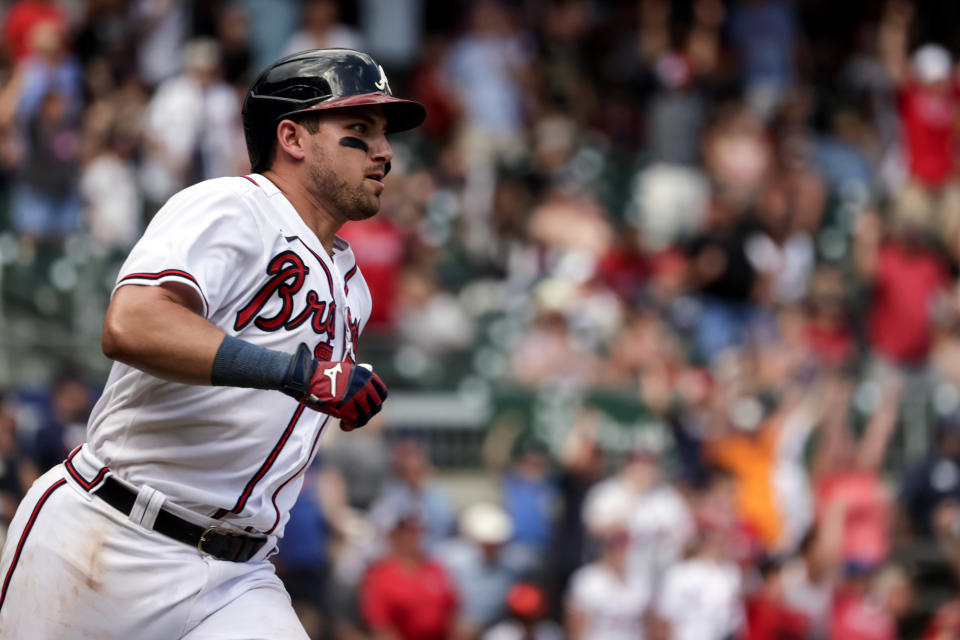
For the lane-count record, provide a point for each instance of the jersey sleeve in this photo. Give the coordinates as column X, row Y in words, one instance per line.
column 204, row 237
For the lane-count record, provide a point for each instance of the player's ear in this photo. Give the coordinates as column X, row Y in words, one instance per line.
column 290, row 140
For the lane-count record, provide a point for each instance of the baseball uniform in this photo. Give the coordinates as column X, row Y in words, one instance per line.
column 226, row 457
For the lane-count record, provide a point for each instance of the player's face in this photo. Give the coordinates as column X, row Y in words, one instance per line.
column 343, row 174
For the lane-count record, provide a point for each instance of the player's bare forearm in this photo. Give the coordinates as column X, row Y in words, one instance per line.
column 158, row 329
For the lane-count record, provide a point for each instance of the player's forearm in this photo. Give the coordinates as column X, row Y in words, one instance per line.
column 148, row 328
column 159, row 330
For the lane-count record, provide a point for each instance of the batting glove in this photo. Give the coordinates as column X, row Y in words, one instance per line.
column 351, row 392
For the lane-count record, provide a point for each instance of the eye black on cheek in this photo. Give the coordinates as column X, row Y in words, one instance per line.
column 355, row 143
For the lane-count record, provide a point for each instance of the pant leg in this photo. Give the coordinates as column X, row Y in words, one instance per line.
column 73, row 567
column 248, row 602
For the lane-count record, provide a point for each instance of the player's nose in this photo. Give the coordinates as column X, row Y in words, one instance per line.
column 381, row 151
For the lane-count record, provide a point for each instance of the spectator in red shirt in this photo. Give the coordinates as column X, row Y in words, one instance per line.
column 405, row 595
column 847, row 479
column 21, row 19
column 928, row 103
column 769, row 616
column 379, row 251
column 868, row 607
column 908, row 277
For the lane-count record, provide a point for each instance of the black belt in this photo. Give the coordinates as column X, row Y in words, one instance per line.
column 215, row 540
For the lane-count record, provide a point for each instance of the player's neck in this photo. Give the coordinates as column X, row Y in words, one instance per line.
column 323, row 224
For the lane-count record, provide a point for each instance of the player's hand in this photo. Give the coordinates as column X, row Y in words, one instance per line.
column 351, row 392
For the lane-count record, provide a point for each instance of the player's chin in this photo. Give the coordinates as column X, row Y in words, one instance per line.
column 367, row 208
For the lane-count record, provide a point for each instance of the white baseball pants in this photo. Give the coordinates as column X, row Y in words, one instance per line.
column 75, row 568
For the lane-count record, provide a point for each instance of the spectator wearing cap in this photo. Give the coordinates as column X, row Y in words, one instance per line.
column 658, row 521
column 605, row 599
column 406, row 595
column 931, row 481
column 701, row 598
column 928, row 102
column 526, row 608
column 483, row 565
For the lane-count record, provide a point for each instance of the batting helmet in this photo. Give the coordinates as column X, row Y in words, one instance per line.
column 316, row 80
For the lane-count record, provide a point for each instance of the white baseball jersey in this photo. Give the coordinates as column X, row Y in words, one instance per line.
column 701, row 600
column 231, row 453
column 613, row 607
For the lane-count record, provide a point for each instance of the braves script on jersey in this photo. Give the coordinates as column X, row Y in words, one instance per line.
column 234, row 453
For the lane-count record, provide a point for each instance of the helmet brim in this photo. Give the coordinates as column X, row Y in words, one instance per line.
column 401, row 115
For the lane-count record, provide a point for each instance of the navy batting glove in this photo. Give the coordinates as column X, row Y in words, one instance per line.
column 344, row 390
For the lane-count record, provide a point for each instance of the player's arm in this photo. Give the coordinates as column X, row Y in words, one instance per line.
column 159, row 330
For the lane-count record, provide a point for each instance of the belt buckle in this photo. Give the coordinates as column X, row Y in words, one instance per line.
column 208, row 530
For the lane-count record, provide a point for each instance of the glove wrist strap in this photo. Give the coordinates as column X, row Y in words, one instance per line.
column 239, row 363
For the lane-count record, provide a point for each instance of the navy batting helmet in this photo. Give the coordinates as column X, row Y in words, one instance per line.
column 315, row 80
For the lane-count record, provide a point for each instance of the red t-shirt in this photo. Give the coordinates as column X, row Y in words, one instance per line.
column 856, row 617
column 416, row 603
column 866, row 528
column 929, row 131
column 378, row 246
column 947, row 619
column 906, row 284
column 771, row 620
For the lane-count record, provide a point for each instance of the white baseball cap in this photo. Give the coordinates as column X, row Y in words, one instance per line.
column 931, row 63
column 486, row 523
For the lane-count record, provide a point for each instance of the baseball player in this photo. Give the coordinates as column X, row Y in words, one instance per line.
column 234, row 327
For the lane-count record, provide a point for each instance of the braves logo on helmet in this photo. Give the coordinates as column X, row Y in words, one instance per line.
column 316, row 80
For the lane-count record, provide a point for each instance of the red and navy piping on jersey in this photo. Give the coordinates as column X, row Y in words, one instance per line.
column 253, row 181
column 346, row 279
column 350, row 273
column 317, row 256
column 296, row 474
column 87, row 485
column 167, row 273
column 23, row 536
column 262, row 471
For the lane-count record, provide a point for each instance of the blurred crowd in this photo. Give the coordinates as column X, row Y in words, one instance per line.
column 742, row 214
